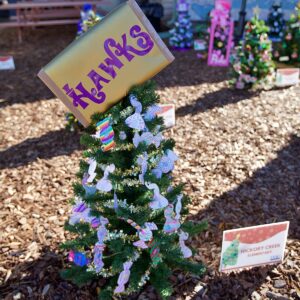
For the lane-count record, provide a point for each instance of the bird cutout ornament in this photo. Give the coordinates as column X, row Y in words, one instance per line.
column 136, row 120
column 158, row 201
column 178, row 207
column 123, row 277
column 166, row 164
column 186, row 251
column 82, row 213
column 79, row 212
column 144, row 233
column 89, row 190
column 100, row 246
column 230, row 256
column 148, row 138
column 91, row 170
column 104, row 184
column 142, row 161
column 151, row 112
column 172, row 224
column 106, row 134
column 78, row 258
column 116, row 205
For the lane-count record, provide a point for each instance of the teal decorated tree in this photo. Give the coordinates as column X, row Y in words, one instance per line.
column 289, row 50
column 230, row 256
column 276, row 22
column 253, row 66
column 182, row 33
column 128, row 218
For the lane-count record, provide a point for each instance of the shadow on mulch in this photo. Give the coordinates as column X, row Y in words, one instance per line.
column 220, row 98
column 39, row 47
column 51, row 144
column 271, row 195
column 40, row 279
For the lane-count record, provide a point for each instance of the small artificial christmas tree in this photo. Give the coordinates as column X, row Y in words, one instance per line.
column 88, row 20
column 276, row 22
column 182, row 33
column 253, row 66
column 289, row 50
column 230, row 256
column 127, row 214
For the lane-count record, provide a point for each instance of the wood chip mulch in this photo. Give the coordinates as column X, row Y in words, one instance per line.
column 239, row 157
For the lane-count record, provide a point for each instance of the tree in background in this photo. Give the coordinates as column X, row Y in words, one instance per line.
column 88, row 19
column 289, row 50
column 182, row 33
column 128, row 217
column 253, row 66
column 276, row 22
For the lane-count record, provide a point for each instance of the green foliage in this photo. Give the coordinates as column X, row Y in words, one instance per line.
column 159, row 280
column 77, row 275
column 253, row 66
column 193, row 229
column 154, row 263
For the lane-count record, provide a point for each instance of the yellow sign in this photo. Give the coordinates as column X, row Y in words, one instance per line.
column 97, row 70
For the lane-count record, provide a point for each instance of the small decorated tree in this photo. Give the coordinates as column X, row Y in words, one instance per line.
column 289, row 50
column 276, row 22
column 88, row 19
column 253, row 66
column 182, row 33
column 128, row 217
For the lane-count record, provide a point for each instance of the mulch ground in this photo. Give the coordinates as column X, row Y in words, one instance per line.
column 239, row 157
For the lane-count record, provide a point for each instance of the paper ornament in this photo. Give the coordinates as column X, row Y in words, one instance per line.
column 136, row 120
column 106, row 134
column 123, row 277
column 104, row 184
column 172, row 224
column 158, row 201
column 78, row 258
column 142, row 162
column 148, row 138
column 186, row 251
column 100, row 246
column 166, row 164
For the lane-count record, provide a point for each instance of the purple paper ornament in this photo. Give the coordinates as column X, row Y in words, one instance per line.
column 158, row 200
column 104, row 184
column 172, row 224
column 136, row 120
column 123, row 277
column 142, row 161
column 186, row 252
column 166, row 164
column 148, row 138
